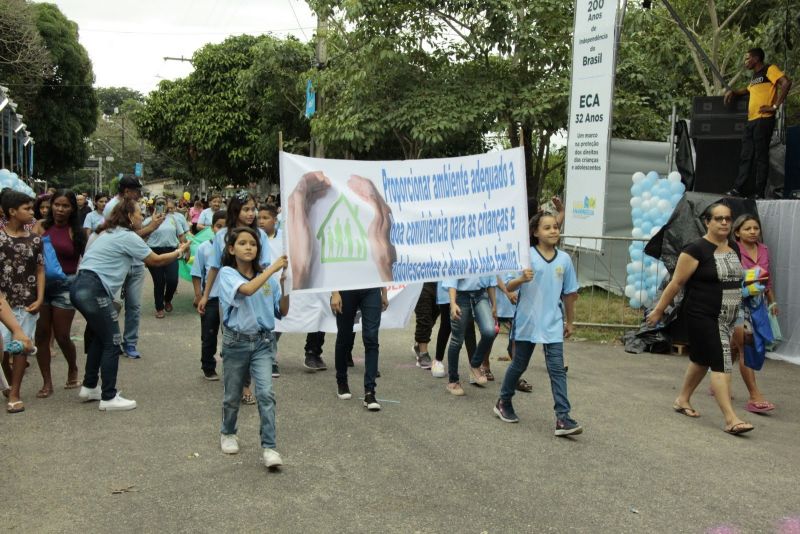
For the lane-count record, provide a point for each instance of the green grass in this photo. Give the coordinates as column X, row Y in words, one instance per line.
column 597, row 305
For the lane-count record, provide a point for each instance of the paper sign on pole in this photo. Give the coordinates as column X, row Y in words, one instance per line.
column 359, row 224
column 593, row 51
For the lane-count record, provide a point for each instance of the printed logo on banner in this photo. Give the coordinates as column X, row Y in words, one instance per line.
column 584, row 209
column 341, row 236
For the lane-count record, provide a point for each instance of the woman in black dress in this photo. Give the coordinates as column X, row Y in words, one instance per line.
column 712, row 273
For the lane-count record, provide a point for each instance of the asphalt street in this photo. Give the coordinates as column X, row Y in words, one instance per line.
column 428, row 462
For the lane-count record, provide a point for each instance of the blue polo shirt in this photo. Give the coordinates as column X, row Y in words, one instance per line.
column 168, row 233
column 473, row 283
column 219, row 248
column 201, row 258
column 111, row 255
column 206, row 217
column 540, row 316
column 93, row 220
column 247, row 315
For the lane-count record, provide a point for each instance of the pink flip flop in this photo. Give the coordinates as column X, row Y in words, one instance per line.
column 759, row 407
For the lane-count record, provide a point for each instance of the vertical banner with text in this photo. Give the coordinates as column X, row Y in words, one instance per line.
column 358, row 224
column 593, row 60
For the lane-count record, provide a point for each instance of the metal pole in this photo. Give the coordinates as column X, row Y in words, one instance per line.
column 671, row 154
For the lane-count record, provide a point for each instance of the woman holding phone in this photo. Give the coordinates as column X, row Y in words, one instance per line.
column 170, row 233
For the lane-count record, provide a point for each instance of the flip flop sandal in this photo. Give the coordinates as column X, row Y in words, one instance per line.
column 44, row 393
column 759, row 407
column 688, row 412
column 524, row 386
column 15, row 407
column 72, row 384
column 488, row 374
column 739, row 428
column 248, row 399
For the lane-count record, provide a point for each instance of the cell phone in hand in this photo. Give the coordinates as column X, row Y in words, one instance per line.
column 160, row 209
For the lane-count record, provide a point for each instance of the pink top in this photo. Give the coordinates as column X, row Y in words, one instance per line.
column 762, row 261
column 194, row 214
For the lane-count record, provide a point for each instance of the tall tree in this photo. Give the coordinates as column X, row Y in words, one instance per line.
column 64, row 110
column 24, row 60
column 111, row 98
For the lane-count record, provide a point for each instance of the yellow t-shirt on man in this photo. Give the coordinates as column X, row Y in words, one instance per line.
column 762, row 90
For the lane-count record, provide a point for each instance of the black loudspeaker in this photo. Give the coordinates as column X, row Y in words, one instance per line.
column 717, row 164
column 791, row 186
column 712, row 119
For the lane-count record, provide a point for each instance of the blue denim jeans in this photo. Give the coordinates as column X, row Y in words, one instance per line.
column 254, row 355
column 554, row 358
column 134, row 283
column 473, row 304
column 368, row 301
column 90, row 297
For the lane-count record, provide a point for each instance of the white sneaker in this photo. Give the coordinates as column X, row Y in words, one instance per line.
column 272, row 458
column 437, row 369
column 229, row 443
column 89, row 394
column 118, row 403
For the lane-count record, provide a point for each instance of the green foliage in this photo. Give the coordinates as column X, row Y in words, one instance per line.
column 64, row 110
column 24, row 60
column 222, row 120
column 111, row 98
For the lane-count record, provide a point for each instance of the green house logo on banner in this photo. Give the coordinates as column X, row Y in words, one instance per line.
column 341, row 236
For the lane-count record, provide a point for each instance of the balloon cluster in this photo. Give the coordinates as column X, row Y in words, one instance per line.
column 10, row 179
column 652, row 201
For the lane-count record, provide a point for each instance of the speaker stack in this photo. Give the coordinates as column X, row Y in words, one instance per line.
column 717, row 133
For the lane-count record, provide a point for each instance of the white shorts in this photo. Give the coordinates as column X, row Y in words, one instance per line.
column 27, row 321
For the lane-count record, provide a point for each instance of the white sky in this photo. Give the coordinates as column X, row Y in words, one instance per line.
column 128, row 39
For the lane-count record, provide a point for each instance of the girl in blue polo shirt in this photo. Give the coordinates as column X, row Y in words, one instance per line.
column 249, row 300
column 546, row 291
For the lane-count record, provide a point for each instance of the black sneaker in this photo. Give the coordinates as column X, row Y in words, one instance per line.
column 567, row 427
column 314, row 363
column 370, row 403
column 275, row 372
column 211, row 376
column 424, row 360
column 505, row 411
column 344, row 392
column 320, row 364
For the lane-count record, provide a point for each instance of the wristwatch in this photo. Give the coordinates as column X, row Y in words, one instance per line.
column 775, row 107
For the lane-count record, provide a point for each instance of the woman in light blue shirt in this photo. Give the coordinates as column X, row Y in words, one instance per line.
column 100, row 276
column 169, row 234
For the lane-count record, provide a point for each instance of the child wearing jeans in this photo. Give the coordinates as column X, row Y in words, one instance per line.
column 22, row 283
column 268, row 222
column 209, row 321
column 250, row 300
column 470, row 298
column 543, row 288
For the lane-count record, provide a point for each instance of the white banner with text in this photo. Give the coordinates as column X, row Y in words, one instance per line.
column 593, row 50
column 358, row 224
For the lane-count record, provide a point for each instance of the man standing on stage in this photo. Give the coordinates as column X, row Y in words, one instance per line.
column 768, row 88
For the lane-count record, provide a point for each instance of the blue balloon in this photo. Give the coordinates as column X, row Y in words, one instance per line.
column 636, row 190
column 653, row 214
column 636, row 255
column 652, row 175
column 646, row 227
column 635, row 304
column 676, row 188
column 639, row 284
column 636, row 213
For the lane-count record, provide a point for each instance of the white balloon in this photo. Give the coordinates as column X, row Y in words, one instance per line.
column 654, row 230
column 629, row 290
column 637, row 233
column 646, row 206
column 636, row 202
column 637, row 177
column 674, row 176
column 641, row 296
column 664, row 206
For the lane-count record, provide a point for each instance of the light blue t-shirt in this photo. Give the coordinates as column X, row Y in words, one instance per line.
column 504, row 307
column 111, row 256
column 215, row 260
column 247, row 315
column 168, row 234
column 442, row 295
column 93, row 220
column 206, row 216
column 473, row 283
column 540, row 317
column 201, row 258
